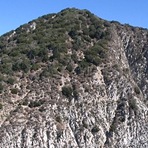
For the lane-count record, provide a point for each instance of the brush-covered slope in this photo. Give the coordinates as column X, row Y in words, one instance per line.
column 74, row 80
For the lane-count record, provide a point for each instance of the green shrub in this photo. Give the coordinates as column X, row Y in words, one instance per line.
column 35, row 103
column 95, row 129
column 69, row 67
column 43, row 54
column 35, row 66
column 93, row 59
column 25, row 102
column 74, row 57
column 6, row 68
column 113, row 127
column 133, row 104
column 1, row 87
column 15, row 66
column 32, row 54
column 14, row 91
column 67, row 91
column 23, row 65
column 75, row 94
column 82, row 66
column 10, row 81
column 14, row 53
column 92, row 31
column 58, row 119
column 1, row 106
column 73, row 33
column 137, row 90
column 1, row 78
column 95, row 54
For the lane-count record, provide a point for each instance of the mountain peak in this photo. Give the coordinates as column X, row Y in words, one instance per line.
column 70, row 77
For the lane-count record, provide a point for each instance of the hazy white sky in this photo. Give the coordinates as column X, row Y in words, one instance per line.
column 14, row 13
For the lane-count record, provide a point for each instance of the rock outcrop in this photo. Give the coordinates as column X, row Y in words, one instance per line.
column 76, row 81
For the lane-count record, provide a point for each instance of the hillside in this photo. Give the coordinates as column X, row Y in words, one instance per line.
column 72, row 79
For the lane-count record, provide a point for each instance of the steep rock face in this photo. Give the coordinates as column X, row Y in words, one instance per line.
column 95, row 97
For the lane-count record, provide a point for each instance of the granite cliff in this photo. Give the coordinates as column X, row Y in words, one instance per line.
column 73, row 80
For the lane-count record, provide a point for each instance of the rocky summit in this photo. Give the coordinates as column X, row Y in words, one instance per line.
column 73, row 80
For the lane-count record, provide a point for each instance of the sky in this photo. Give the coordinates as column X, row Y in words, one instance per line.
column 14, row 13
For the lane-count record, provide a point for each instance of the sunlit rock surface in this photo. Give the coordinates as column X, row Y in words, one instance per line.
column 101, row 106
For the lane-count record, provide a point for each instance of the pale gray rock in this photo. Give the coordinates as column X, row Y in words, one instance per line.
column 109, row 110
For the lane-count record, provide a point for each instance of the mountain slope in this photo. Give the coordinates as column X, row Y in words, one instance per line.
column 72, row 79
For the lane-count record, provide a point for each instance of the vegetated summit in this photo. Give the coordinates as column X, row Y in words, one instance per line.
column 74, row 80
